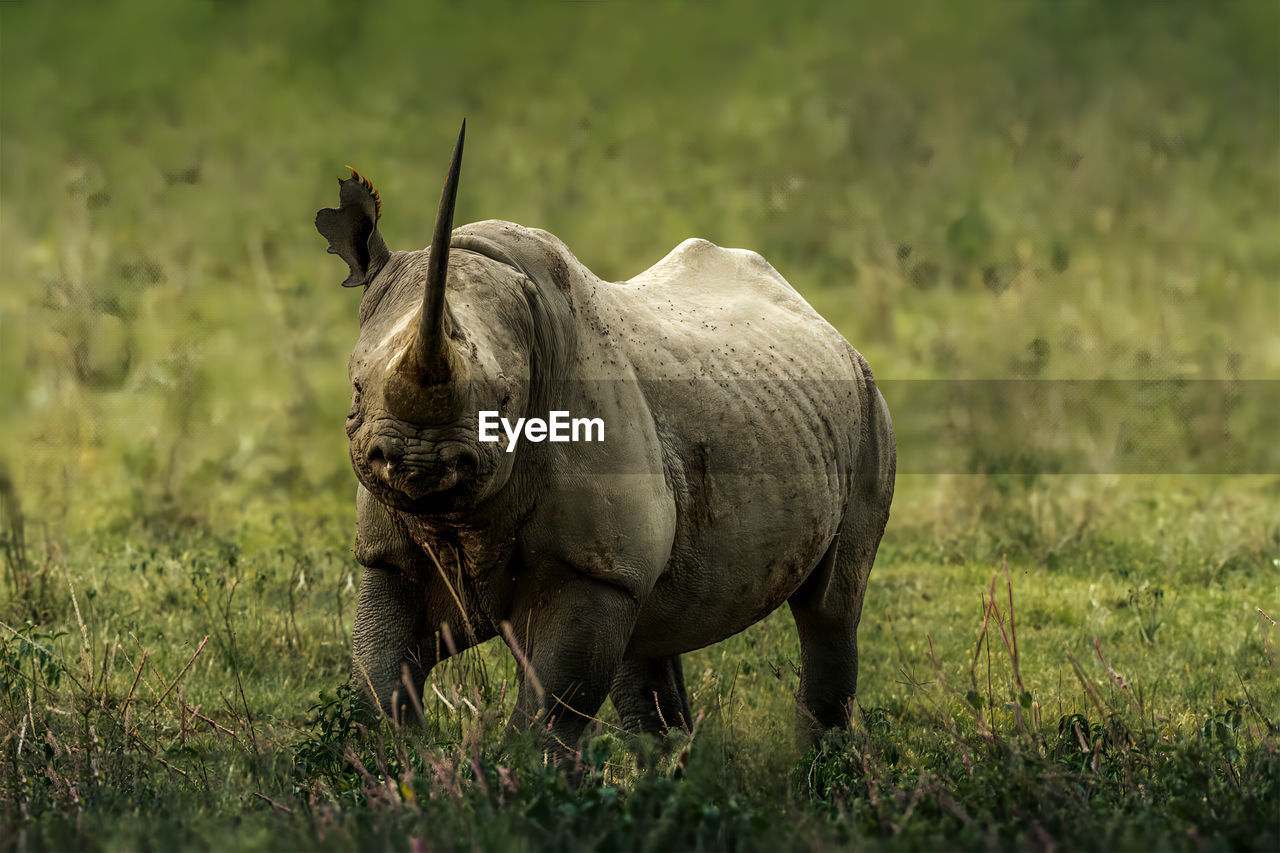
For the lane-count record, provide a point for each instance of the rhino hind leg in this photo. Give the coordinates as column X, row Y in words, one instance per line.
column 650, row 696
column 828, row 605
column 826, row 609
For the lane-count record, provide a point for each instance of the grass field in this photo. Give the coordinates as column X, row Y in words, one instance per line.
column 990, row 190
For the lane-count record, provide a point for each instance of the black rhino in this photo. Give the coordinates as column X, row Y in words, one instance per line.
column 748, row 460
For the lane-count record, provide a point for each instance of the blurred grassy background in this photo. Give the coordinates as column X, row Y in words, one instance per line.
column 1078, row 190
column 980, row 190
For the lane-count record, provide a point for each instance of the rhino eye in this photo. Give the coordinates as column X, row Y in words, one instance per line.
column 355, row 399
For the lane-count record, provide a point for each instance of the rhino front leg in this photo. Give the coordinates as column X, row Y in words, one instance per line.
column 573, row 636
column 650, row 695
column 405, row 601
column 400, row 623
column 387, row 638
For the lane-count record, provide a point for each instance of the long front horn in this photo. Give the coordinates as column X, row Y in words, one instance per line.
column 432, row 344
column 433, row 375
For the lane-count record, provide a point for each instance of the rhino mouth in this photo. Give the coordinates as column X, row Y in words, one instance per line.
column 412, row 477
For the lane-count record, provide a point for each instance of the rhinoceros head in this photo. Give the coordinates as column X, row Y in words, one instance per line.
column 440, row 339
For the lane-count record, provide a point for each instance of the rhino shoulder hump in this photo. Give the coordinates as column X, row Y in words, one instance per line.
column 700, row 257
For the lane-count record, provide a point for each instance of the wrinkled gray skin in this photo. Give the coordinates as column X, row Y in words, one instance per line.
column 749, row 460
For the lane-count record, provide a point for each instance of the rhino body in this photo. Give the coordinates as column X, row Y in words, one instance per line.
column 748, row 460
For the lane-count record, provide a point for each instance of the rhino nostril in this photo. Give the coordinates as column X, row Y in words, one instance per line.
column 467, row 464
column 463, row 461
column 384, row 453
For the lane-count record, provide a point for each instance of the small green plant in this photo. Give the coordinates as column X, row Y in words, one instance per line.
column 1147, row 603
column 27, row 660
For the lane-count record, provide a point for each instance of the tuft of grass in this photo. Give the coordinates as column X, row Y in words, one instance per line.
column 981, row 732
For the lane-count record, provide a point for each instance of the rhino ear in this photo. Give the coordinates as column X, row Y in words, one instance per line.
column 352, row 229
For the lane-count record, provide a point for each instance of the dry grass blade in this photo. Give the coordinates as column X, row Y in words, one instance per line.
column 526, row 666
column 272, row 803
column 178, row 678
column 75, row 603
column 444, row 576
column 1118, row 678
column 1012, row 639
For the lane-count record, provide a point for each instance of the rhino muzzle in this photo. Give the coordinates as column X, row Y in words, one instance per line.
column 405, row 471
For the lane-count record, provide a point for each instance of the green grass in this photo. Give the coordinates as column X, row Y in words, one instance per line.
column 996, row 189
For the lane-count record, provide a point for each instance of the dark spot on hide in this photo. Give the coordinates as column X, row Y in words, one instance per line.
column 560, row 275
column 700, row 514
